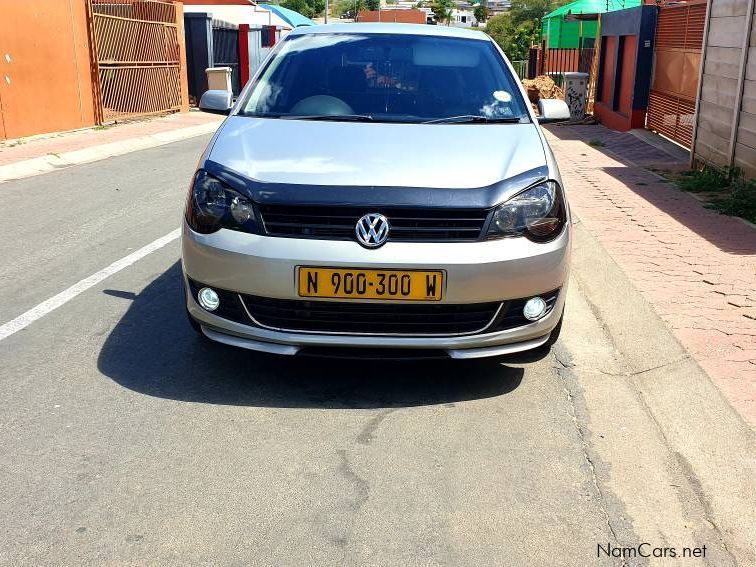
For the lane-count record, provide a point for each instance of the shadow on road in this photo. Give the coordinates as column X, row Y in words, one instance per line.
column 152, row 350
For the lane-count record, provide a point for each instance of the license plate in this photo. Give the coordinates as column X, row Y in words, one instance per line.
column 347, row 283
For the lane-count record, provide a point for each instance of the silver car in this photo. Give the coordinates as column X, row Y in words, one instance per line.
column 379, row 189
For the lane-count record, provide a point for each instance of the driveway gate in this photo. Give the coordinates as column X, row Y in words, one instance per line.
column 677, row 56
column 136, row 57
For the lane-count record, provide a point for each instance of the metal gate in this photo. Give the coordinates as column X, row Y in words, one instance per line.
column 226, row 52
column 677, row 58
column 136, row 58
column 557, row 61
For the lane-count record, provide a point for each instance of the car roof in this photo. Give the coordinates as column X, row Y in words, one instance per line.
column 386, row 28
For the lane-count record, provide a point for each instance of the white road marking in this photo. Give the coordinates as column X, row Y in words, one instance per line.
column 39, row 311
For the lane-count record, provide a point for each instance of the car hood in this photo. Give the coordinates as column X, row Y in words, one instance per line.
column 389, row 155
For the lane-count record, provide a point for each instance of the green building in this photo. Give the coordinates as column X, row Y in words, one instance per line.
column 562, row 28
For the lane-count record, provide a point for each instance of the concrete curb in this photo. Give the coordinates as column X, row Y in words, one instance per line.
column 52, row 162
column 712, row 443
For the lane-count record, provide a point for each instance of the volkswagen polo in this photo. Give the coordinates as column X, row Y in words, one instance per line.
column 379, row 186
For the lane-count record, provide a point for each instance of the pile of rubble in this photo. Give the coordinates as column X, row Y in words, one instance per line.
column 542, row 87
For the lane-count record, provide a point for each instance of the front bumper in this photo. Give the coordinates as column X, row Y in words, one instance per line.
column 478, row 272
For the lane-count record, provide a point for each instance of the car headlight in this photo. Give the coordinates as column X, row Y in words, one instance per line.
column 213, row 205
column 538, row 213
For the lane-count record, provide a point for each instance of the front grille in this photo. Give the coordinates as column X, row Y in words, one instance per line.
column 370, row 318
column 407, row 224
column 373, row 318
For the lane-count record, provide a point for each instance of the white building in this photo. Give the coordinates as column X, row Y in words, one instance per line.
column 463, row 18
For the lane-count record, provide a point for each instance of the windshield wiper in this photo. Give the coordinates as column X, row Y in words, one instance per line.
column 329, row 117
column 475, row 119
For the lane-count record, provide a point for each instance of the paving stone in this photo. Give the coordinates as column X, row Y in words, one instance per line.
column 695, row 266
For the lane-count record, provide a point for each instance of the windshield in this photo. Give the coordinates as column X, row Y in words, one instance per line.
column 388, row 78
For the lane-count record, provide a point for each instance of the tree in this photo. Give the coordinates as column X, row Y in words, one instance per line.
column 522, row 11
column 519, row 28
column 351, row 7
column 308, row 8
column 443, row 10
column 481, row 13
column 373, row 4
column 514, row 40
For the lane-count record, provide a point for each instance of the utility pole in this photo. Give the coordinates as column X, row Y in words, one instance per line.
column 326, row 11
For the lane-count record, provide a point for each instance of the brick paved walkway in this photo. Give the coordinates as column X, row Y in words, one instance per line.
column 61, row 142
column 695, row 266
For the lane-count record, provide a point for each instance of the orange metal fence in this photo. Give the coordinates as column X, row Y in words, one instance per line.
column 136, row 57
column 677, row 57
column 556, row 61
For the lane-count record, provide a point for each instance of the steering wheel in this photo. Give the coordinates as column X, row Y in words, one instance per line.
column 321, row 104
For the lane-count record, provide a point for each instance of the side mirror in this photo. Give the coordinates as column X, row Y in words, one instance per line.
column 217, row 102
column 552, row 110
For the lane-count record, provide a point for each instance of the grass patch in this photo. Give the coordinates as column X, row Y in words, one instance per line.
column 740, row 202
column 703, row 181
column 725, row 191
column 596, row 144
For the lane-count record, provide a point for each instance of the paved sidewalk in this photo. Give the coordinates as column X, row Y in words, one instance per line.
column 695, row 266
column 40, row 154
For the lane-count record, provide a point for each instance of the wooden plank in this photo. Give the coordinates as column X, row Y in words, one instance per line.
column 722, row 62
column 726, row 32
column 722, row 8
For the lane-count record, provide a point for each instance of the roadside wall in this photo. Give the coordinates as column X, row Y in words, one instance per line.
column 45, row 68
column 624, row 76
column 725, row 129
column 392, row 16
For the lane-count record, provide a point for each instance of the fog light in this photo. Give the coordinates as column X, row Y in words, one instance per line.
column 208, row 299
column 534, row 308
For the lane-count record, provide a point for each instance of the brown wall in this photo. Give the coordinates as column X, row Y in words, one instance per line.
column 45, row 77
column 391, row 16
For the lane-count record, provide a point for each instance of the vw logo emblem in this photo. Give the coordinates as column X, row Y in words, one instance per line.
column 372, row 230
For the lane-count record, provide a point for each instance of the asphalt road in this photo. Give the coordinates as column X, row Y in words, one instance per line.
column 125, row 439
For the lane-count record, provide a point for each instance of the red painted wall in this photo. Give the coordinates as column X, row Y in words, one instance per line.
column 624, row 117
column 608, row 50
column 627, row 78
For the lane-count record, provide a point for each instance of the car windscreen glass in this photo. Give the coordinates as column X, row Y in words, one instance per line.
column 385, row 77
